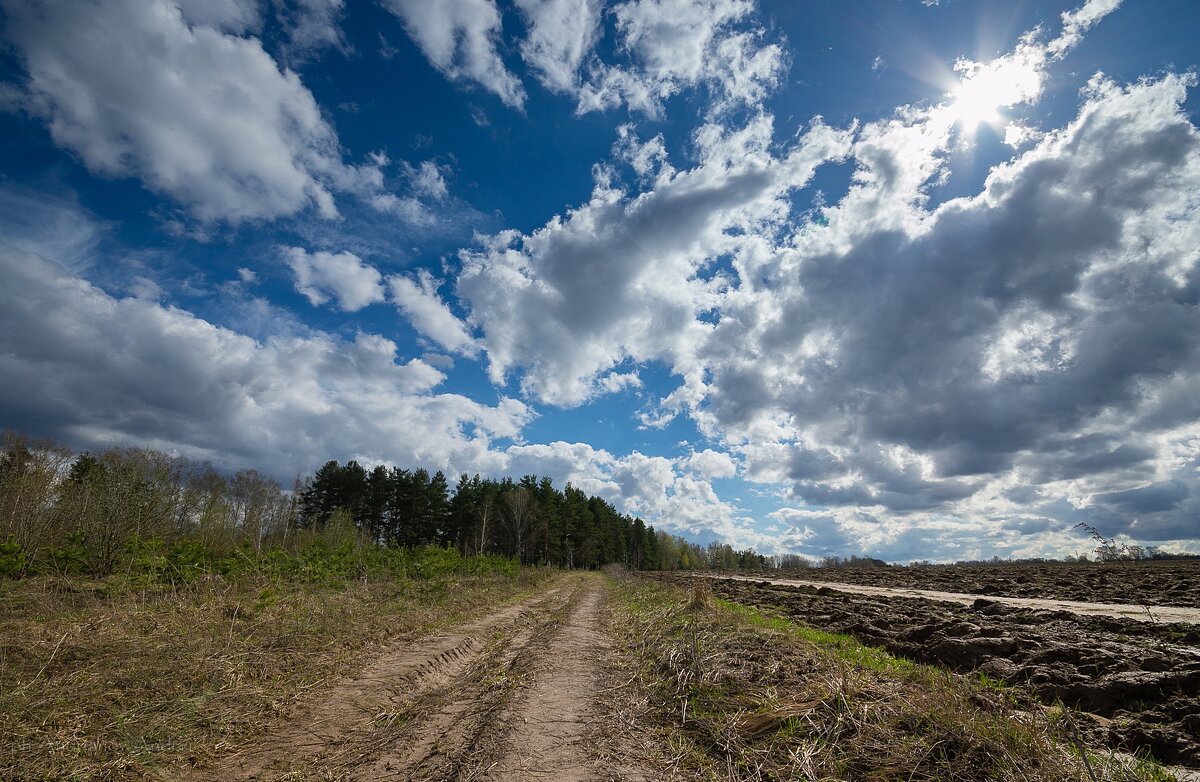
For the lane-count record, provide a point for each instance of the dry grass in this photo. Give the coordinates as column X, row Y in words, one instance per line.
column 457, row 731
column 99, row 683
column 736, row 695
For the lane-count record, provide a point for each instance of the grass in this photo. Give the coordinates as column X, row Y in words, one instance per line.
column 454, row 731
column 100, row 680
column 741, row 694
column 845, row 647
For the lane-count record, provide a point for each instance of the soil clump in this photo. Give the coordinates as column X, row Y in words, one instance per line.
column 1166, row 582
column 1136, row 682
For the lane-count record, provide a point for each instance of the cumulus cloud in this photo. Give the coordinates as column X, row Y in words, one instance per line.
column 1022, row 336
column 343, row 277
column 625, row 277
column 214, row 123
column 615, row 382
column 1065, row 282
column 711, row 464
column 662, row 48
column 667, row 493
column 460, row 39
column 419, row 301
column 97, row 370
column 561, row 34
column 676, row 44
column 982, row 372
column 94, row 370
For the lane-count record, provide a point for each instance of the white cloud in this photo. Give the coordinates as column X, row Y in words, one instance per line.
column 982, row 372
column 427, row 180
column 1019, row 77
column 650, row 487
column 671, row 37
column 421, row 304
column 343, row 276
column 94, row 370
column 711, row 464
column 407, row 208
column 230, row 16
column 672, row 45
column 931, row 363
column 1079, row 21
column 460, row 38
column 136, row 372
column 311, row 26
column 57, row 228
column 625, row 277
column 561, row 34
column 615, row 382
column 213, row 122
column 145, row 288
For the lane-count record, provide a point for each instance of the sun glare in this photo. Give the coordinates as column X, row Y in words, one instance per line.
column 974, row 102
column 984, row 91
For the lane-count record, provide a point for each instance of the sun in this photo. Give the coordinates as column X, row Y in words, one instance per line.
column 985, row 91
column 976, row 101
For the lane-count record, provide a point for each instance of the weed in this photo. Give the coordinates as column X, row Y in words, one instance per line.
column 749, row 695
column 105, row 679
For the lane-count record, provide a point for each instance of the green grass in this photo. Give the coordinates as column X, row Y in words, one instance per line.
column 739, row 693
column 107, row 679
column 844, row 647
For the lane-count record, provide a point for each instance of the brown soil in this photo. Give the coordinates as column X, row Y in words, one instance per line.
column 1141, row 613
column 510, row 697
column 547, row 740
column 1174, row 582
column 1137, row 682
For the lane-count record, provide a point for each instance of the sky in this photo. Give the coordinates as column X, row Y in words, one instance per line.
column 909, row 279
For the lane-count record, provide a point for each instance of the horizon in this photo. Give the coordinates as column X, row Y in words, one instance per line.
column 909, row 281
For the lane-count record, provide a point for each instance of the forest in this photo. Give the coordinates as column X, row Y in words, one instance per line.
column 120, row 508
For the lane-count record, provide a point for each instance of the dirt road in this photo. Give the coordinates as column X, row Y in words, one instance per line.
column 506, row 697
column 1117, row 610
column 551, row 725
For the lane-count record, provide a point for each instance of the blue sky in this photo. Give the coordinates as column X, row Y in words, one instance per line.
column 916, row 280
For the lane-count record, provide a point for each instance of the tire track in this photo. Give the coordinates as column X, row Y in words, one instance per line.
column 466, row 723
column 340, row 721
column 553, row 725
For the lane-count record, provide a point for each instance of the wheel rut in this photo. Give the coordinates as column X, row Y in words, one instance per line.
column 526, row 710
column 552, row 726
column 341, row 725
column 454, row 732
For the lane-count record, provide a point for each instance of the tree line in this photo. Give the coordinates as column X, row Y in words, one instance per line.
column 96, row 512
column 529, row 519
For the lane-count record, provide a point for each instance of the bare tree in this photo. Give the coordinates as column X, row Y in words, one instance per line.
column 520, row 518
column 258, row 506
column 30, row 473
column 124, row 494
column 485, row 509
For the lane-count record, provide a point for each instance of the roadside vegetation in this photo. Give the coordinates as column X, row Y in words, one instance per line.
column 725, row 692
column 137, row 511
column 155, row 612
column 108, row 678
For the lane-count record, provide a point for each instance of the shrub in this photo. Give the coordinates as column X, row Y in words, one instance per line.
column 12, row 558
